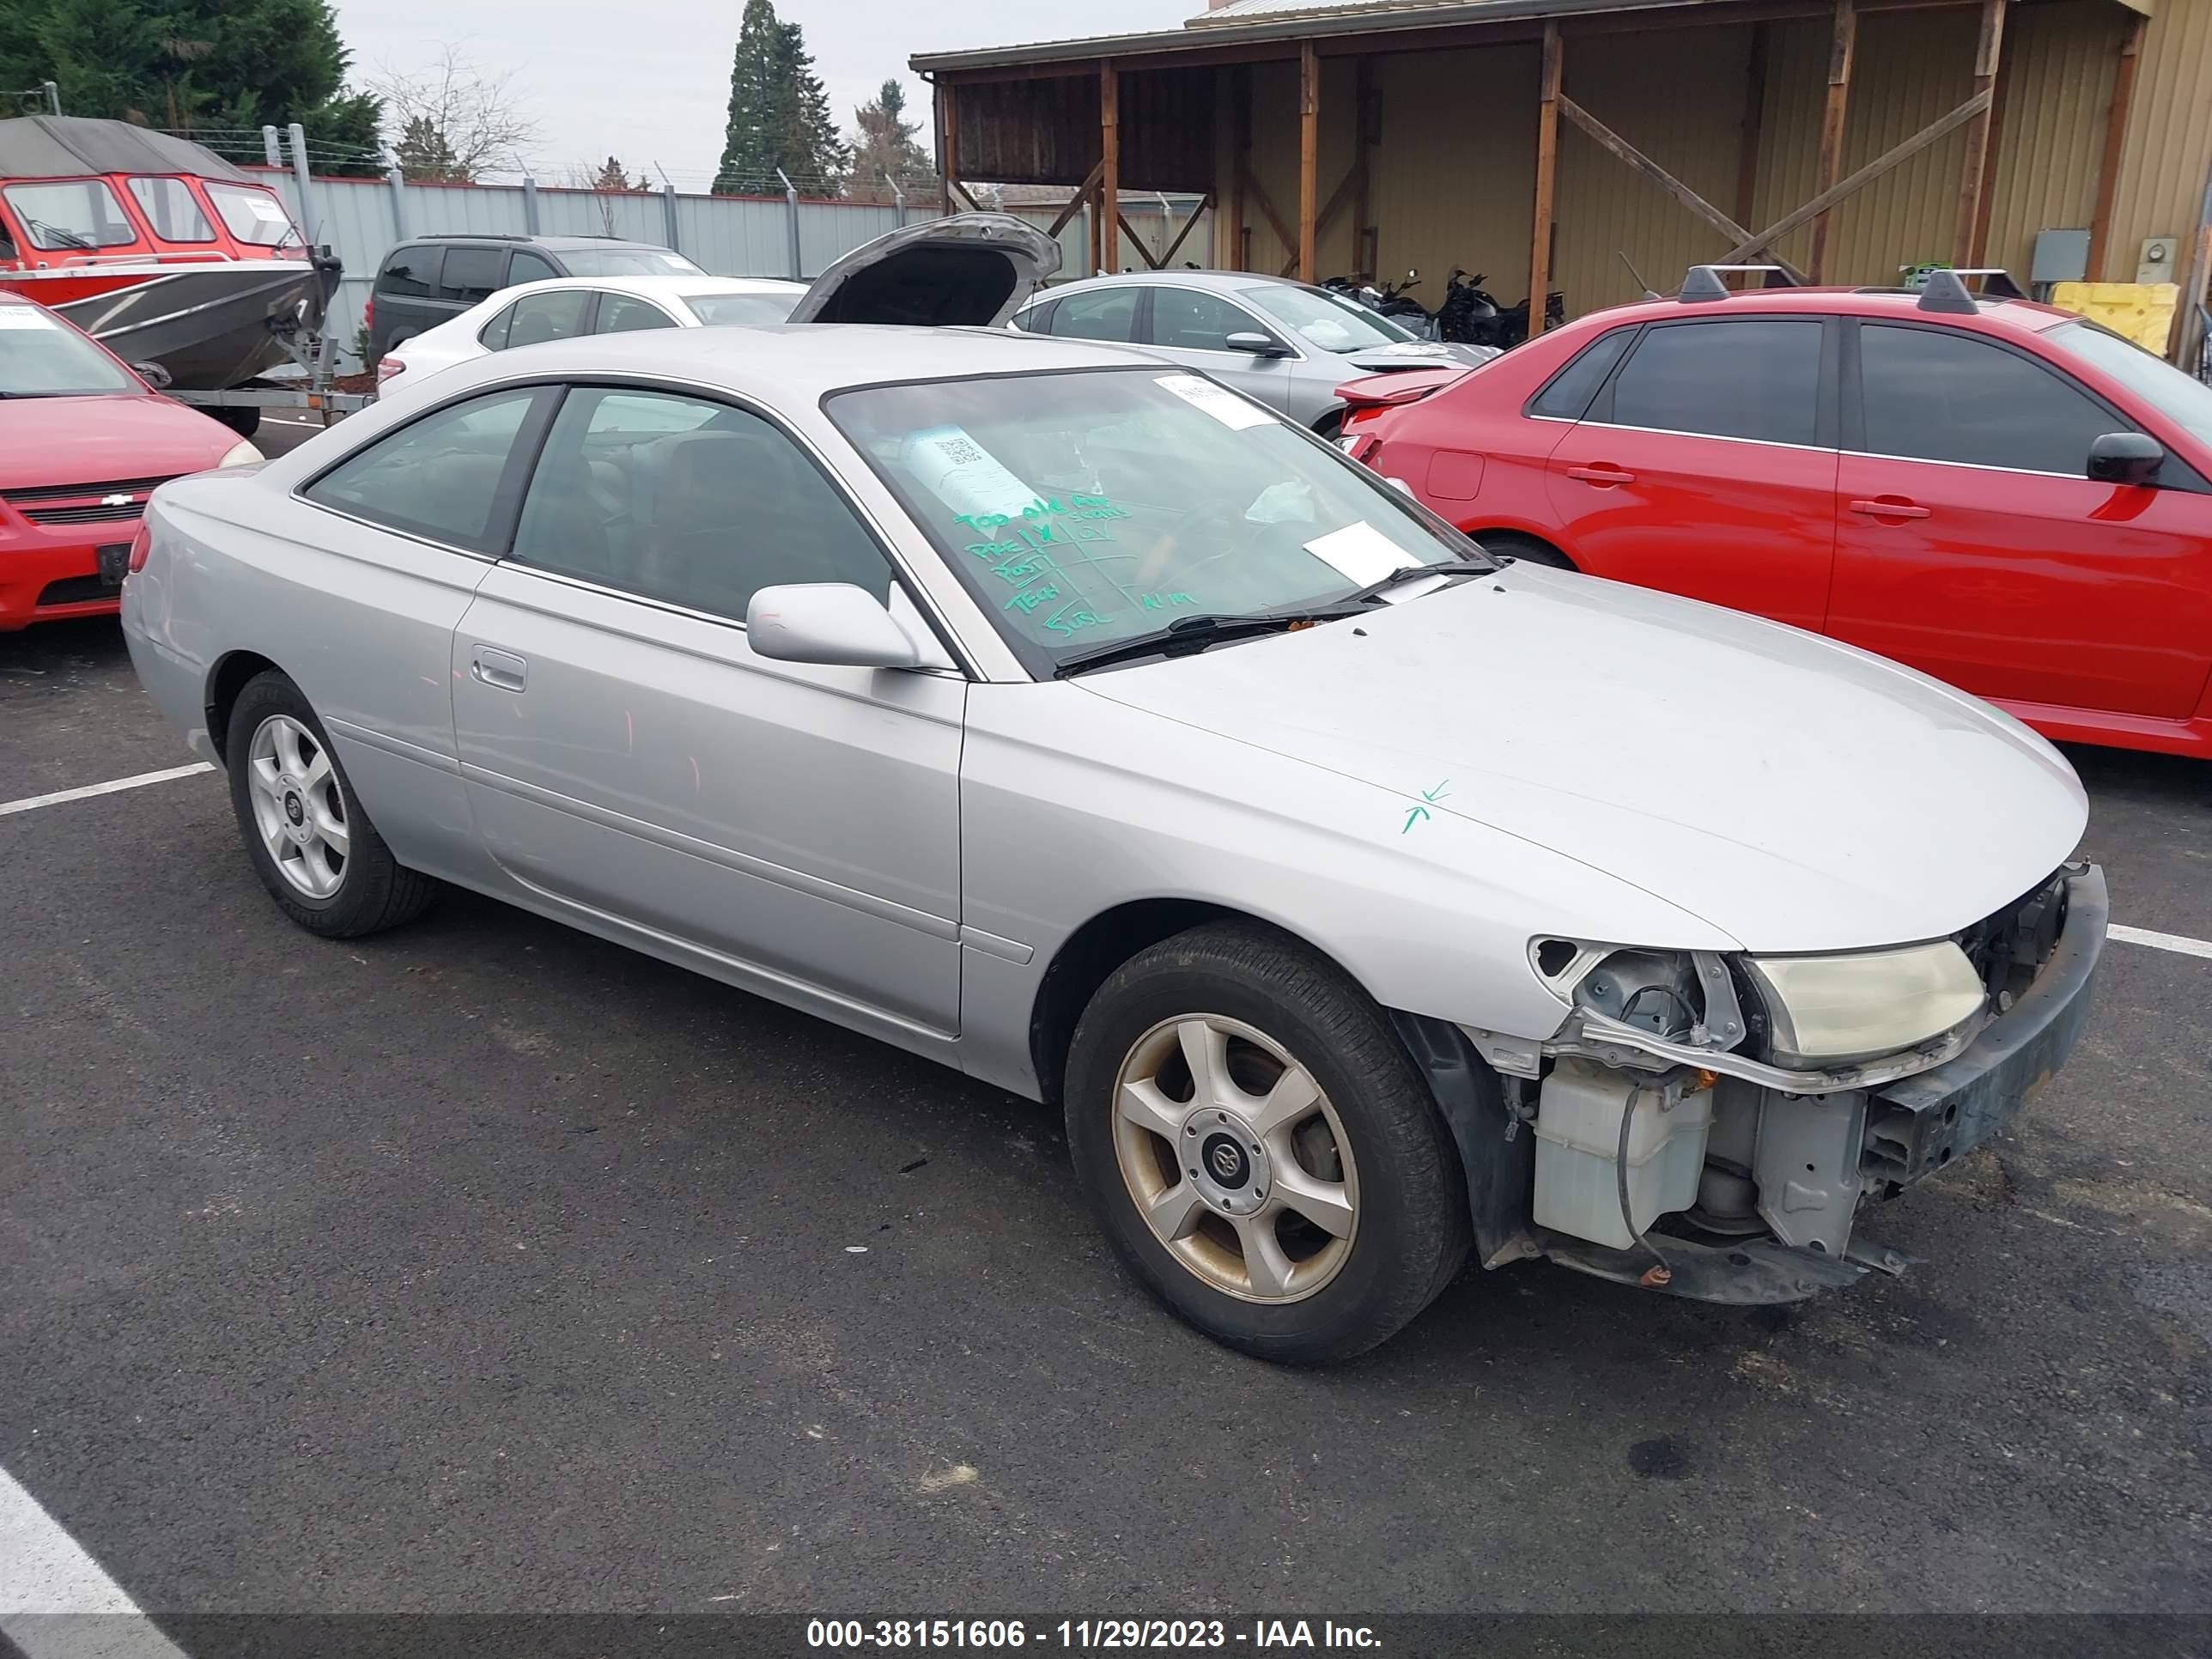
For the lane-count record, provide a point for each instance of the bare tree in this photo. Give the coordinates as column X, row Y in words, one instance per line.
column 454, row 122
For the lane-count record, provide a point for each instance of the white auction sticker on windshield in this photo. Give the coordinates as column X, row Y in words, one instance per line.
column 966, row 476
column 25, row 317
column 1218, row 401
column 1361, row 553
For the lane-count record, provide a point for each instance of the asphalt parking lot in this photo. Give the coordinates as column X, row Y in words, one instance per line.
column 484, row 1266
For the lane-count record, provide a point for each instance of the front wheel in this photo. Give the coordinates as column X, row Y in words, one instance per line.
column 310, row 842
column 1259, row 1147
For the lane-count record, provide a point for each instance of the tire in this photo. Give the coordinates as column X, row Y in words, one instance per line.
column 1507, row 544
column 245, row 422
column 282, row 765
column 1397, row 1229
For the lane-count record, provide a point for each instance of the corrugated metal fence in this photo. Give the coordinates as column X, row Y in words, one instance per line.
column 361, row 220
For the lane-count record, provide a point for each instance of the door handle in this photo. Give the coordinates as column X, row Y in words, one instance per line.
column 1602, row 475
column 1889, row 507
column 502, row 670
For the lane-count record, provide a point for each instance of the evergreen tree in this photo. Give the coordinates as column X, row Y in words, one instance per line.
column 612, row 176
column 221, row 67
column 885, row 143
column 425, row 154
column 779, row 113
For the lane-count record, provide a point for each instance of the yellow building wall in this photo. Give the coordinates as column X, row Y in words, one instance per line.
column 1452, row 181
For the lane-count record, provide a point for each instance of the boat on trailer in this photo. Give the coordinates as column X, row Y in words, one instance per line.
column 158, row 248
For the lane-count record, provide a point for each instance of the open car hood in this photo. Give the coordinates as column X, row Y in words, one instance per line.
column 971, row 269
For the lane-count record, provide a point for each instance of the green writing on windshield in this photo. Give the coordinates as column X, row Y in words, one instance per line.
column 1167, row 601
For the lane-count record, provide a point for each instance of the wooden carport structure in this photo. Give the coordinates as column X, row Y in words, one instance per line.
column 1174, row 111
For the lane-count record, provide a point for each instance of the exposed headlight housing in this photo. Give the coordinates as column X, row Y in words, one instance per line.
column 1832, row 1011
column 242, row 454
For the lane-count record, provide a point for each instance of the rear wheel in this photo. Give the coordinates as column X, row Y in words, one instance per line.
column 1509, row 545
column 309, row 842
column 1259, row 1147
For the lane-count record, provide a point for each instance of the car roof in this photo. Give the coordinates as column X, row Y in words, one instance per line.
column 674, row 283
column 800, row 363
column 1894, row 303
column 513, row 239
column 1219, row 281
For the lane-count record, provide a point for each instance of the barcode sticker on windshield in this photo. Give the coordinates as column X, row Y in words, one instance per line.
column 1224, row 405
column 1360, row 553
column 966, row 476
column 25, row 317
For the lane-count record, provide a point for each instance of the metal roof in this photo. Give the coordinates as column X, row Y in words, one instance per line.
column 1285, row 20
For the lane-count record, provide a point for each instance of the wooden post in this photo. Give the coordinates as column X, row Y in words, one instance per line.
column 1110, row 164
column 1754, row 120
column 948, row 144
column 1986, row 206
column 1364, row 113
column 2116, row 138
column 1841, row 45
column 1547, row 155
column 1987, row 51
column 1309, row 154
column 1240, row 164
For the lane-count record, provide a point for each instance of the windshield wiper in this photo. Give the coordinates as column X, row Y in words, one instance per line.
column 1190, row 633
column 1406, row 573
column 63, row 236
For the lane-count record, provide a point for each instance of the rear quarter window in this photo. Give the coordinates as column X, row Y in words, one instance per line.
column 1566, row 396
column 410, row 272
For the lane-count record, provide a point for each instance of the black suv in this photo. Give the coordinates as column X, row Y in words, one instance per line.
column 431, row 279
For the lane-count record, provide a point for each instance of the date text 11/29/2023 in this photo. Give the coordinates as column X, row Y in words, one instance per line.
column 1088, row 1635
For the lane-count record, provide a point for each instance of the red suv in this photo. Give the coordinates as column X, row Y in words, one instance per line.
column 2002, row 494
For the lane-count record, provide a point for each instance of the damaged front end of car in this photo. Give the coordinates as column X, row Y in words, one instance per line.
column 1709, row 1125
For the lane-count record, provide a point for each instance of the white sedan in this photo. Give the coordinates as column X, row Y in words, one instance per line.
column 566, row 307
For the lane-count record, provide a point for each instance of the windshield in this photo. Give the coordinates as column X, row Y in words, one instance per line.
column 41, row 356
column 1327, row 321
column 76, row 215
column 2185, row 401
column 717, row 309
column 627, row 262
column 1084, row 509
column 252, row 215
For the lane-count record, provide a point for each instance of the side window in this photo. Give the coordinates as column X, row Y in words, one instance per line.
column 624, row 313
column 493, row 335
column 1934, row 395
column 1568, row 394
column 1752, row 377
column 436, row 477
column 1037, row 319
column 695, row 504
column 74, row 216
column 1101, row 313
column 410, row 273
column 554, row 315
column 170, row 208
column 528, row 267
column 1188, row 320
column 472, row 274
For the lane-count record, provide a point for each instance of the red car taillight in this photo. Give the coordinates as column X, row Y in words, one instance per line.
column 141, row 545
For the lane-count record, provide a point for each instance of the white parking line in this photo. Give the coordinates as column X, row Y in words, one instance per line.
column 55, row 1601
column 2178, row 943
column 32, row 803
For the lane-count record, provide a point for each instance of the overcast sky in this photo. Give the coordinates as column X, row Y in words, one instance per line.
column 648, row 81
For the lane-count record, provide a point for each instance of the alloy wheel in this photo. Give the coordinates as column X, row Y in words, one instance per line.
column 298, row 809
column 1235, row 1157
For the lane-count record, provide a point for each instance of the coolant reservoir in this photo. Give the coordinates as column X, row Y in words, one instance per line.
column 1578, row 1142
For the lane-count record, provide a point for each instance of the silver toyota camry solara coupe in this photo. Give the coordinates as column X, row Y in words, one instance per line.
column 1060, row 714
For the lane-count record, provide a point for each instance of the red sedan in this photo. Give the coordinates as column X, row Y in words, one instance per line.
column 2002, row 494
column 83, row 441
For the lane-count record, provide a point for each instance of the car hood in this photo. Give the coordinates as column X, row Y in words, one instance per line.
column 1417, row 353
column 1796, row 794
column 68, row 440
column 974, row 270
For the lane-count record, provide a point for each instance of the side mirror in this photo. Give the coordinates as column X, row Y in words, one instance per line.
column 153, row 374
column 1260, row 345
column 833, row 624
column 2126, row 458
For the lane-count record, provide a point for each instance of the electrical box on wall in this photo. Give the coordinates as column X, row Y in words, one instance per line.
column 2061, row 256
column 2157, row 264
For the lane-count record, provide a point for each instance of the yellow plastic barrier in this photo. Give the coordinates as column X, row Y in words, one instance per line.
column 2142, row 311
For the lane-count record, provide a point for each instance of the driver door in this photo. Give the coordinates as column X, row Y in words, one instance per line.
column 1970, row 544
column 1188, row 326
